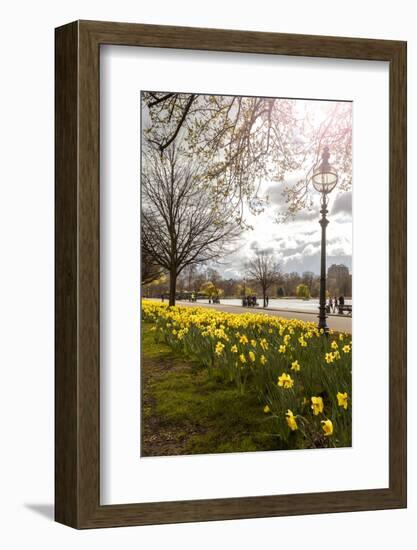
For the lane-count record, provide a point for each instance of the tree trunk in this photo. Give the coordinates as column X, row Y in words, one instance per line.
column 172, row 286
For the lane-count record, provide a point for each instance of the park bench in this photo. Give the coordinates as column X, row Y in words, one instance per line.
column 347, row 308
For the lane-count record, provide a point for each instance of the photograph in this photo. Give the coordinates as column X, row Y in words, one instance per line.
column 246, row 273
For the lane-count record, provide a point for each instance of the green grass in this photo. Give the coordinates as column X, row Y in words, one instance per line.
column 186, row 411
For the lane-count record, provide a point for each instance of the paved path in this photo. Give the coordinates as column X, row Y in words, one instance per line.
column 335, row 322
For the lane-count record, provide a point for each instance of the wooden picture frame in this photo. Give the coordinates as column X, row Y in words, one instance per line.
column 77, row 405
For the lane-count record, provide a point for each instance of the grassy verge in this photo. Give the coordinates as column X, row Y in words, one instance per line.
column 186, row 411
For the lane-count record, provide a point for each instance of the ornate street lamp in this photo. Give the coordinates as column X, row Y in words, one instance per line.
column 324, row 180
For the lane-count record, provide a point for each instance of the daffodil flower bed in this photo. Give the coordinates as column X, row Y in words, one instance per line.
column 302, row 377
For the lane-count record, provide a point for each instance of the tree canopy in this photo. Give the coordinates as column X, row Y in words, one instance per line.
column 302, row 291
column 242, row 141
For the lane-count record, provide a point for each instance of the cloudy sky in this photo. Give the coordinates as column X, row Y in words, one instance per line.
column 294, row 243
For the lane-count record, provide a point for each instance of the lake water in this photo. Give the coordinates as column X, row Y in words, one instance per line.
column 284, row 303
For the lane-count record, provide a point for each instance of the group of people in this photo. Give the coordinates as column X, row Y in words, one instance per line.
column 335, row 303
column 249, row 301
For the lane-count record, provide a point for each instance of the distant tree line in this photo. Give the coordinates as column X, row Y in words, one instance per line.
column 262, row 278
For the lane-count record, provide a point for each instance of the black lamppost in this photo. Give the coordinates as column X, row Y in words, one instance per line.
column 324, row 180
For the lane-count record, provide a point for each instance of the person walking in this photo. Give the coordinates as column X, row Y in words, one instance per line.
column 330, row 305
column 335, row 304
column 267, row 300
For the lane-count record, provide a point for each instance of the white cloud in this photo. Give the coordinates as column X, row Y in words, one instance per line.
column 295, row 243
column 343, row 204
column 310, row 250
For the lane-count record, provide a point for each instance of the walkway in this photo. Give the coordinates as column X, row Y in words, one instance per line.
column 335, row 322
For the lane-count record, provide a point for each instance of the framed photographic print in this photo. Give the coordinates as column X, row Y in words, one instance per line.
column 230, row 274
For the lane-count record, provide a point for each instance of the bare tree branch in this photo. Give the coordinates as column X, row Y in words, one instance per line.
column 242, row 141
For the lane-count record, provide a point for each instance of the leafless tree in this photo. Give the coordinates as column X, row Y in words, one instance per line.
column 263, row 270
column 181, row 226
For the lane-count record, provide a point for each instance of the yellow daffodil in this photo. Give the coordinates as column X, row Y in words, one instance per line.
column 253, row 343
column 264, row 344
column 233, row 349
column 317, row 405
column 342, row 399
column 327, row 426
column 346, row 349
column 243, row 339
column 267, row 409
column 334, row 345
column 282, row 349
column 329, row 358
column 285, row 381
column 303, row 343
column 219, row 348
column 242, row 358
column 252, row 356
column 263, row 360
column 291, row 420
column 219, row 333
column 295, row 365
